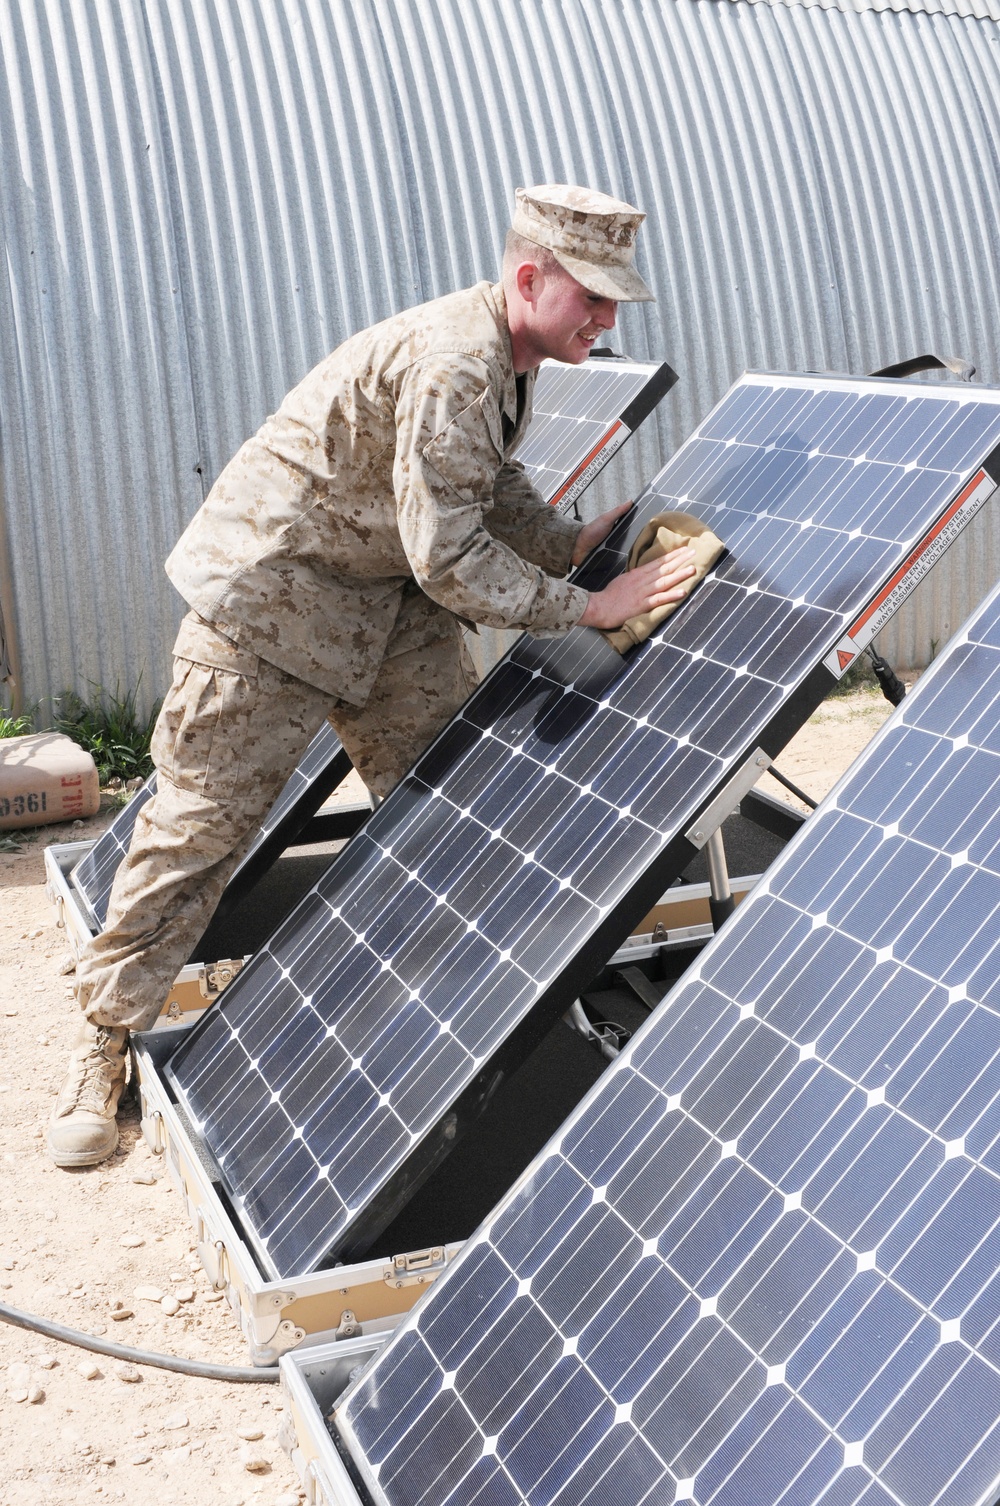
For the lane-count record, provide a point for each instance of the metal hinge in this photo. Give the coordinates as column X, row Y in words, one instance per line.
column 213, row 977
column 348, row 1327
column 416, row 1268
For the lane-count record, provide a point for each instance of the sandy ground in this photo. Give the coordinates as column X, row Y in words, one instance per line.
column 80, row 1247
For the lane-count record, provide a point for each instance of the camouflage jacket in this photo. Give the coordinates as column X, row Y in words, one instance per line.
column 390, row 462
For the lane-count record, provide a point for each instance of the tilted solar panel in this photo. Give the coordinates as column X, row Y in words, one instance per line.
column 94, row 874
column 581, row 416
column 491, row 885
column 758, row 1266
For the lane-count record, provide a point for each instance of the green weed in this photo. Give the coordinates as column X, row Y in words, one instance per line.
column 16, row 726
column 111, row 730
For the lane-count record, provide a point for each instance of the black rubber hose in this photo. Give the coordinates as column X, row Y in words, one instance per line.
column 266, row 1374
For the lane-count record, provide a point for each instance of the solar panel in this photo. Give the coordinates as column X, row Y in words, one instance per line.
column 758, row 1265
column 497, row 878
column 581, row 417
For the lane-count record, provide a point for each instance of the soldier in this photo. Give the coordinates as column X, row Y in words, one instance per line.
column 328, row 573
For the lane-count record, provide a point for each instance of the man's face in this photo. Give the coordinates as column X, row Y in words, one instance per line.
column 568, row 319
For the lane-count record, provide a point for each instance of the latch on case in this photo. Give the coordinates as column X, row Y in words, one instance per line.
column 414, row 1269
column 214, row 976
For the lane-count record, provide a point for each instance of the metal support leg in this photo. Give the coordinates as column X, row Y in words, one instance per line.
column 721, row 902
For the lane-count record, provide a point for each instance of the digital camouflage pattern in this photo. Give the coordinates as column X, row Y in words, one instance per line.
column 327, row 571
column 590, row 234
column 390, row 462
column 230, row 732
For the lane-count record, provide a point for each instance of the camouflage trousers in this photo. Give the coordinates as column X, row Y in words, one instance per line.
column 229, row 734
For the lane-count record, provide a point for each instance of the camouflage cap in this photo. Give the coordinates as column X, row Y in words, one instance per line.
column 590, row 234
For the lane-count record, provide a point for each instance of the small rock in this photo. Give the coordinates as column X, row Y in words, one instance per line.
column 66, row 965
column 129, row 1374
column 254, row 1462
column 287, row 1499
column 46, row 1361
column 184, row 1293
column 18, row 1373
column 19, row 1393
column 88, row 1369
column 141, row 1458
column 132, row 1241
column 147, row 1179
column 148, row 1294
column 34, row 935
column 214, row 1296
column 250, row 1433
column 35, row 1395
column 120, row 1314
column 170, row 1306
column 176, row 1455
column 175, row 1420
column 108, row 1459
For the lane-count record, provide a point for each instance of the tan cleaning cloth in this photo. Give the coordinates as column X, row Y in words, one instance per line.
column 668, row 530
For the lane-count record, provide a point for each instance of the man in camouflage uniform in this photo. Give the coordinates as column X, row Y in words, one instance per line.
column 328, row 573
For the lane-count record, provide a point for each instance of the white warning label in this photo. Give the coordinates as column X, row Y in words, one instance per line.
column 595, row 461
column 911, row 572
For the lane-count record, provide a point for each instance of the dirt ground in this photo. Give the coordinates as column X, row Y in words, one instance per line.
column 92, row 1248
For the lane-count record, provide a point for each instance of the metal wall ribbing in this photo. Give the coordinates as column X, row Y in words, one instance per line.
column 200, row 199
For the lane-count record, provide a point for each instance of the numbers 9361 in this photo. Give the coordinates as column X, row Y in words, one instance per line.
column 23, row 805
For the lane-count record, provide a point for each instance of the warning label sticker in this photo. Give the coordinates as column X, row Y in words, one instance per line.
column 911, row 572
column 588, row 468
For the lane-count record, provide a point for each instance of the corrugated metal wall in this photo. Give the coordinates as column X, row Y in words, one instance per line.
column 201, row 197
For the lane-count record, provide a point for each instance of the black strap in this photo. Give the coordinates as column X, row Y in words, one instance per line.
column 957, row 365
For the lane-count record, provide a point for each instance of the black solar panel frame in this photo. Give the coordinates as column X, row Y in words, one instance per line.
column 397, row 1188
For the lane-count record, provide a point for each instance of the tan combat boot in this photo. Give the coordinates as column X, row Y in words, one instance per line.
column 83, row 1129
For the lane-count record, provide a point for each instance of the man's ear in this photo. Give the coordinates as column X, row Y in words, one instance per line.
column 529, row 281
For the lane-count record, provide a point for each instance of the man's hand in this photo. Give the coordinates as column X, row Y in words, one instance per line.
column 592, row 534
column 653, row 585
